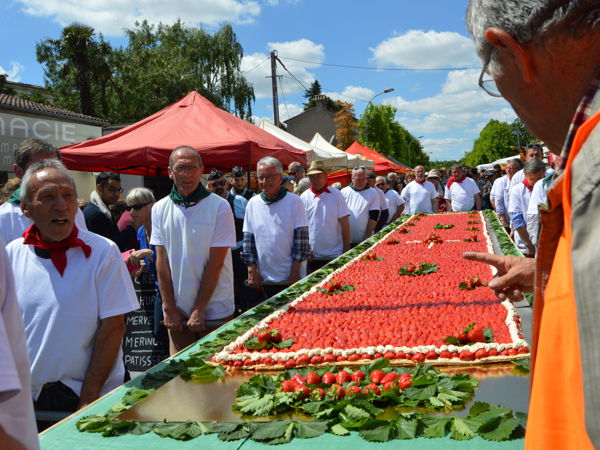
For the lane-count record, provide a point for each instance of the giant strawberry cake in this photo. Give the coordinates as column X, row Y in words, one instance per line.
column 410, row 298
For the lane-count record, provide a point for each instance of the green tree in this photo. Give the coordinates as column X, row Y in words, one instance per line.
column 379, row 130
column 159, row 65
column 74, row 65
column 494, row 142
column 520, row 133
column 4, row 89
column 314, row 89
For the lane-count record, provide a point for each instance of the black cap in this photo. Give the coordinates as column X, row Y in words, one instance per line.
column 237, row 171
column 215, row 175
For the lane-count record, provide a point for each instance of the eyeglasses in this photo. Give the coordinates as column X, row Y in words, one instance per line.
column 380, row 184
column 488, row 85
column 183, row 169
column 218, row 183
column 137, row 206
column 267, row 177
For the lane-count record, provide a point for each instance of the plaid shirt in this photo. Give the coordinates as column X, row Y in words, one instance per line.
column 583, row 113
column 300, row 246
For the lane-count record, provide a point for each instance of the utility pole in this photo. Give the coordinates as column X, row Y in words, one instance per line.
column 274, row 87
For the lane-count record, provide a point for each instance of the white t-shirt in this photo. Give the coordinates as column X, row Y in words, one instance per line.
column 273, row 229
column 498, row 195
column 16, row 405
column 62, row 314
column 462, row 195
column 323, row 214
column 394, row 201
column 187, row 235
column 382, row 201
column 520, row 196
column 418, row 197
column 517, row 178
column 360, row 203
column 13, row 222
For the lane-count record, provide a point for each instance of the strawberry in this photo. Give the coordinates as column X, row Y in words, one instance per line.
column 275, row 336
column 317, row 359
column 290, row 363
column 329, row 357
column 389, row 386
column 372, row 389
column 318, row 393
column 353, row 357
column 343, row 377
column 481, row 353
column 263, row 336
column 352, row 391
column 313, row 378
column 418, row 357
column 337, row 391
column 389, row 378
column 476, row 335
column 302, row 360
column 328, row 378
column 389, row 355
column 376, row 376
column 357, row 376
column 299, row 379
column 467, row 355
column 289, row 386
column 404, row 382
column 445, row 354
column 302, row 391
column 432, row 354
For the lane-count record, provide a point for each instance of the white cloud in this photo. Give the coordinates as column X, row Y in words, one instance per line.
column 14, row 73
column 287, row 111
column 426, row 50
column 447, row 148
column 352, row 94
column 112, row 16
column 301, row 49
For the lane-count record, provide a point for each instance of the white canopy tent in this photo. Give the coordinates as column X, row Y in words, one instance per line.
column 321, row 144
column 502, row 163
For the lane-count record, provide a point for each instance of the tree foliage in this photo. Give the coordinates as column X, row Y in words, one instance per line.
column 159, row 65
column 4, row 89
column 379, row 130
column 494, row 142
column 345, row 126
column 313, row 89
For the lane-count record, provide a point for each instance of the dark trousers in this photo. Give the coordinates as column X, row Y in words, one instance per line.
column 245, row 296
column 55, row 397
column 273, row 289
column 316, row 264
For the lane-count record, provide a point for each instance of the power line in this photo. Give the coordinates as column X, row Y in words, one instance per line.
column 260, row 63
column 280, row 79
column 292, row 75
column 347, row 66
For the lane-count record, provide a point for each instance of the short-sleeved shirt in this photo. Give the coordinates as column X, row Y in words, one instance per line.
column 188, row 235
column 62, row 313
column 13, row 222
column 360, row 203
column 462, row 194
column 539, row 196
column 500, row 194
column 323, row 213
column 418, row 197
column 273, row 229
column 16, row 409
column 393, row 201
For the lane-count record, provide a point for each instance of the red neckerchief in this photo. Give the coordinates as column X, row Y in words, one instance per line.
column 526, row 183
column 452, row 180
column 421, row 182
column 57, row 250
column 320, row 191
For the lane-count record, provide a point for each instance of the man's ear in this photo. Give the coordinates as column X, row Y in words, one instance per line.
column 510, row 48
column 25, row 209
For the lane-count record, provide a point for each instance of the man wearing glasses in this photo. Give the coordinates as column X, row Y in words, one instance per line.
column 193, row 231
column 245, row 297
column 276, row 237
column 299, row 181
column 98, row 217
column 543, row 56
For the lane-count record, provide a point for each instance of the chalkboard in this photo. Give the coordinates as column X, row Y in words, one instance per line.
column 141, row 349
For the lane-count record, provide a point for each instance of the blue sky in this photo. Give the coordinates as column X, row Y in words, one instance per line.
column 443, row 103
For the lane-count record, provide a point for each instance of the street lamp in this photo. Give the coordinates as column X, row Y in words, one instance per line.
column 385, row 91
column 414, row 139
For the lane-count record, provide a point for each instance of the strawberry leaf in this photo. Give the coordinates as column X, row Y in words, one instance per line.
column 379, row 433
column 306, row 430
column 339, row 430
column 253, row 344
column 489, row 335
column 469, row 327
column 453, row 340
column 502, row 431
column 284, row 344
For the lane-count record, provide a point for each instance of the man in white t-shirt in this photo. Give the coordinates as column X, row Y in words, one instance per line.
column 12, row 220
column 276, row 237
column 395, row 203
column 461, row 193
column 17, row 420
column 520, row 196
column 73, row 290
column 534, row 151
column 328, row 218
column 539, row 196
column 420, row 195
column 364, row 206
column 193, row 231
column 501, row 189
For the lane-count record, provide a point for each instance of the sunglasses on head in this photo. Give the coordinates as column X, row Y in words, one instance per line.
column 137, row 206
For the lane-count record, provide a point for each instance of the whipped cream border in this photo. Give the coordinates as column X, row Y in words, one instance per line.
column 226, row 353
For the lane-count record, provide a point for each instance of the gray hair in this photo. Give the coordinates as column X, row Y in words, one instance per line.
column 184, row 147
column 516, row 161
column 270, row 161
column 37, row 167
column 380, row 177
column 139, row 195
column 528, row 20
column 295, row 166
column 337, row 185
column 457, row 166
column 30, row 147
column 533, row 166
column 359, row 169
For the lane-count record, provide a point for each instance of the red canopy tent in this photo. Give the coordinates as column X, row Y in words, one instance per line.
column 383, row 165
column 143, row 148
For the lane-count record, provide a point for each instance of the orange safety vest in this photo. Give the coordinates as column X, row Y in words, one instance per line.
column 556, row 410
